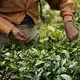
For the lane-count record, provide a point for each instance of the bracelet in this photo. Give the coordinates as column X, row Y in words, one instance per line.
column 67, row 15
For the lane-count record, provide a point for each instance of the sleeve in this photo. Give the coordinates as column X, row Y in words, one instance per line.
column 67, row 9
column 5, row 26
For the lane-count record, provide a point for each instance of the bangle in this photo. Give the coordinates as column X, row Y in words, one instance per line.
column 67, row 15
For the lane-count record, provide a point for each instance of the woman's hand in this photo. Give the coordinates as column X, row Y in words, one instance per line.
column 71, row 31
column 19, row 34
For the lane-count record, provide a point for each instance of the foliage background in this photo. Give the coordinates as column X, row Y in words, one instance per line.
column 52, row 57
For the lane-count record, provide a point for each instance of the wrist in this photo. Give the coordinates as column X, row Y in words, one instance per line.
column 67, row 19
column 13, row 29
column 68, row 22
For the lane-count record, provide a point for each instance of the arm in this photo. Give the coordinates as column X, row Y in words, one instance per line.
column 68, row 8
column 6, row 27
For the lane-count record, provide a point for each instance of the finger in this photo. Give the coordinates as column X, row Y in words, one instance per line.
column 19, row 38
column 22, row 35
column 75, row 37
column 27, row 37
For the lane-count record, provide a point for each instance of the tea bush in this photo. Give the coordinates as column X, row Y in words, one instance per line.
column 52, row 57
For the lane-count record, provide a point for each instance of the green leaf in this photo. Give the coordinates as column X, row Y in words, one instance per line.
column 64, row 61
column 28, row 76
column 39, row 63
column 66, row 77
column 48, row 73
column 66, row 53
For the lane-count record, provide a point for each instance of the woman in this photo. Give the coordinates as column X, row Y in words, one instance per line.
column 17, row 18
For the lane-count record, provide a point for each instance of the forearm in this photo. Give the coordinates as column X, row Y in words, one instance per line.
column 67, row 9
column 5, row 26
